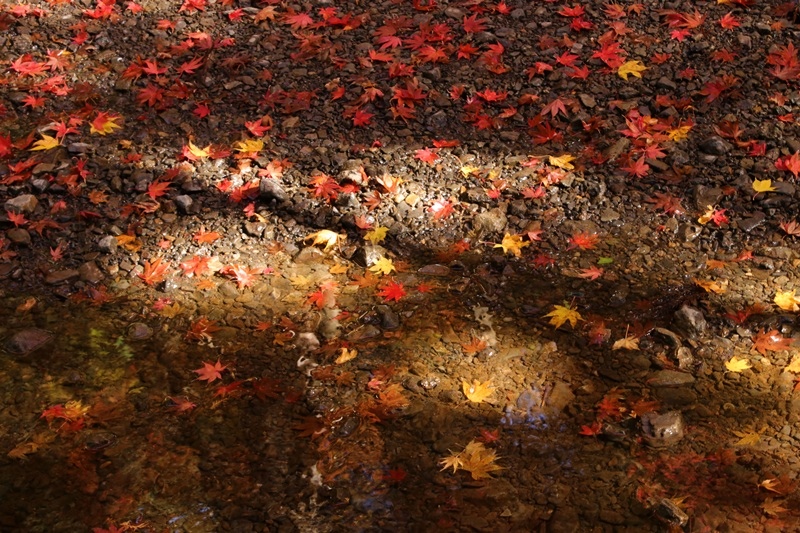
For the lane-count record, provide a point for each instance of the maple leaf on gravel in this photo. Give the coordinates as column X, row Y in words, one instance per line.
column 154, row 271
column 427, row 155
column 583, row 240
column 772, row 340
column 790, row 163
column 210, row 372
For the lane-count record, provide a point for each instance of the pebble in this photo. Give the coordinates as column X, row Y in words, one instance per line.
column 27, row 340
column 492, row 221
column 24, row 203
column 272, row 189
column 61, row 276
column 91, row 273
column 715, row 145
column 670, row 378
column 107, row 244
column 19, row 236
column 690, row 322
column 661, row 431
column 184, row 203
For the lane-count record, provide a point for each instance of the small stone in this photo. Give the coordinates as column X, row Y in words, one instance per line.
column 690, row 322
column 752, row 222
column 24, row 203
column 255, row 228
column 661, row 431
column 367, row 332
column 492, row 221
column 608, row 215
column 666, row 83
column 389, row 319
column 19, row 236
column 107, row 244
column 670, row 378
column 715, row 145
column 25, row 341
column 560, row 397
column 309, row 255
column 139, row 331
column 271, row 189
column 435, row 270
column 61, row 276
column 91, row 273
column 184, row 203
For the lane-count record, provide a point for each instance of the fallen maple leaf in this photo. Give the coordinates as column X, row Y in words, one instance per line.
column 392, row 291
column 737, row 365
column 346, row 355
column 376, row 235
column 562, row 161
column 45, row 143
column 633, row 67
column 210, row 372
column 712, row 286
column 154, row 271
column 628, row 343
column 583, row 240
column 787, row 300
column 384, row 265
column 562, row 314
column 475, row 459
column 104, row 123
column 763, row 186
column 327, row 237
column 513, row 244
column 772, row 340
column 781, row 485
column 477, row 392
column 790, row 163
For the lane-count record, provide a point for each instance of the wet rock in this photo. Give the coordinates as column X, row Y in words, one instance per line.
column 670, row 378
column 690, row 322
column 271, row 189
column 752, row 222
column 309, row 256
column 19, row 236
column 777, row 252
column 96, row 440
column 27, row 340
column 389, row 319
column 492, row 221
column 255, row 228
column 91, row 273
column 661, row 431
column 61, row 276
column 715, row 145
column 429, row 382
column 608, row 215
column 560, row 397
column 451, row 396
column 435, row 270
column 24, row 203
column 184, row 203
column 369, row 254
column 107, row 244
column 667, row 511
column 139, row 331
column 307, row 341
column 412, row 384
column 364, row 333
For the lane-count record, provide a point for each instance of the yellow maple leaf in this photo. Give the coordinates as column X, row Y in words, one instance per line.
column 773, row 508
column 338, row 269
column 513, row 244
column 476, row 459
column 628, row 343
column 794, row 366
column 762, row 186
column 346, row 356
column 468, row 170
column 325, row 236
column 250, row 145
column 199, row 152
column 477, row 392
column 300, row 281
column 45, row 143
column 787, row 300
column 376, row 235
column 680, row 133
column 706, row 217
column 104, row 124
column 748, row 438
column 737, row 365
column 384, row 266
column 562, row 314
column 712, row 286
column 632, row 67
column 562, row 161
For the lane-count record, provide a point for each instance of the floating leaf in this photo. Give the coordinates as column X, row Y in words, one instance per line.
column 199, row 152
column 737, row 365
column 748, row 438
column 513, row 244
column 376, row 235
column 477, row 392
column 787, row 300
column 476, row 459
column 250, row 145
column 562, row 314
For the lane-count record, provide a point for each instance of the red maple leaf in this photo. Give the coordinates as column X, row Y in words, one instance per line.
column 427, row 155
column 441, row 209
column 583, row 240
column 591, row 273
column 210, row 372
column 362, row 118
column 611, row 54
column 638, row 168
column 157, row 188
column 18, row 219
column 196, row 266
column 790, row 163
column 243, row 276
column 151, row 67
column 297, row 20
column 154, row 271
column 5, row 146
column 325, row 187
column 772, row 340
column 392, row 291
column 474, row 25
column 670, row 204
column 201, row 329
column 150, row 95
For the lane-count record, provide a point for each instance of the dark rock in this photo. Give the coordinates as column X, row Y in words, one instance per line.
column 271, row 189
column 91, row 273
column 19, row 236
column 139, row 331
column 184, row 203
column 61, row 276
column 107, row 244
column 715, row 145
column 670, row 378
column 25, row 341
column 492, row 221
column 690, row 322
column 752, row 222
column 389, row 319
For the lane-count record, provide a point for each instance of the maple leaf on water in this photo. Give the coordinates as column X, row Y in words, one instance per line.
column 210, row 372
column 441, row 209
column 513, row 244
column 154, row 271
column 787, row 300
column 196, row 266
column 475, row 458
column 772, row 341
column 562, row 314
column 763, row 186
column 791, row 228
column 583, row 240
column 243, row 276
column 477, row 391
column 204, row 236
column 668, row 203
column 384, row 265
column 202, row 329
column 591, row 273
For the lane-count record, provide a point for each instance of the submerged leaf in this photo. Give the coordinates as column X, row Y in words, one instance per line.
column 562, row 314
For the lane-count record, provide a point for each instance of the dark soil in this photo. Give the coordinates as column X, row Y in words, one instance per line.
column 257, row 258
